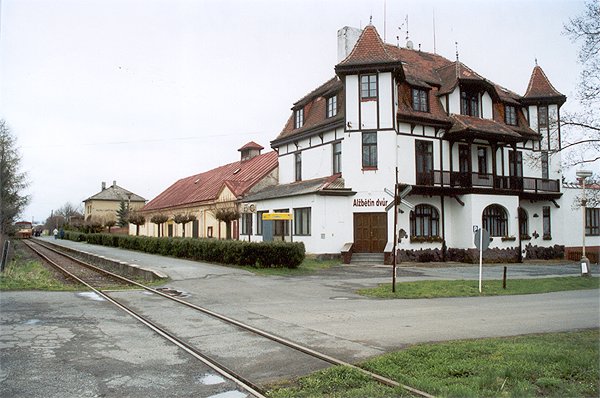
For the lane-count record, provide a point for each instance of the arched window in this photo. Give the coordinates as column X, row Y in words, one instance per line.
column 523, row 223
column 424, row 222
column 495, row 220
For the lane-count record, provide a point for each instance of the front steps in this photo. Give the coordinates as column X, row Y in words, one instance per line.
column 367, row 259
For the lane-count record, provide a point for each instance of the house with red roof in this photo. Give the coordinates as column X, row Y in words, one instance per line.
column 210, row 200
column 461, row 151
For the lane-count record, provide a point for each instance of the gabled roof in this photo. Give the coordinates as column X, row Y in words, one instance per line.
column 238, row 176
column 540, row 88
column 331, row 185
column 116, row 193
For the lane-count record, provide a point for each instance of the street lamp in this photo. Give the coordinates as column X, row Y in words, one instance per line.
column 585, row 263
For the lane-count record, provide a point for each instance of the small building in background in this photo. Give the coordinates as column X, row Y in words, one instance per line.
column 105, row 204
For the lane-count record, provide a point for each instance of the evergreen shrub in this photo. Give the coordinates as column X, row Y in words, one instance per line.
column 252, row 254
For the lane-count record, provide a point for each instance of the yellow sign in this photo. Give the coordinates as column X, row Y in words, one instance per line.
column 277, row 216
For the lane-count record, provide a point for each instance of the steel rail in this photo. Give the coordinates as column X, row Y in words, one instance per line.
column 219, row 368
column 306, row 350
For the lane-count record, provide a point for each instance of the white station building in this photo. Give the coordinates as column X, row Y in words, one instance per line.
column 468, row 152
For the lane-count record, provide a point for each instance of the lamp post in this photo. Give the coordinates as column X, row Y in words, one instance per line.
column 585, row 263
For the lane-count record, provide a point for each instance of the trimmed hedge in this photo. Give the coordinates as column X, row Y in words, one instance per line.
column 253, row 254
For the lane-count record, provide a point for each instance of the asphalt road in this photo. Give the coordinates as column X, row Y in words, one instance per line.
column 71, row 345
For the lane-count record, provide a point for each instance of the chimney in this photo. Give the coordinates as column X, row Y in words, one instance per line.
column 114, row 183
column 103, row 185
column 347, row 38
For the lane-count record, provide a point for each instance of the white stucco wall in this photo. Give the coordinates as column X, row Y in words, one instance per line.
column 386, row 101
column 331, row 225
column 352, row 101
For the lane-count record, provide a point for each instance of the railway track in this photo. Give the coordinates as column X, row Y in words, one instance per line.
column 97, row 279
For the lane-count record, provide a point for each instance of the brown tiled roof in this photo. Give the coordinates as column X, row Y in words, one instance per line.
column 315, row 110
column 522, row 126
column 406, row 112
column 238, row 176
column 540, row 87
column 369, row 50
column 467, row 126
column 419, row 65
column 425, row 70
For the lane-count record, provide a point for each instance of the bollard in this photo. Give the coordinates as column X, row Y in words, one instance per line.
column 504, row 278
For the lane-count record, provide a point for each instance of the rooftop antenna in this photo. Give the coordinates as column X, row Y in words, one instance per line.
column 400, row 29
column 536, row 61
column 371, row 20
column 434, row 49
column 384, row 21
column 457, row 61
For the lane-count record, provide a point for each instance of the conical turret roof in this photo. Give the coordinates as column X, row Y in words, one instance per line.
column 541, row 90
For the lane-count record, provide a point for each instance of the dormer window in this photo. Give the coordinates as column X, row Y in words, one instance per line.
column 332, row 106
column 510, row 115
column 368, row 86
column 420, row 101
column 299, row 118
column 469, row 103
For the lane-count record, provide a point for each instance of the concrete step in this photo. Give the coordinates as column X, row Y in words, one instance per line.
column 367, row 258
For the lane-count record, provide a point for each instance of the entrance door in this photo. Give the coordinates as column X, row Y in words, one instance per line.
column 370, row 232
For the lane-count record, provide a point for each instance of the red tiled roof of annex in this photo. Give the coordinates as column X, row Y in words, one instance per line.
column 238, row 176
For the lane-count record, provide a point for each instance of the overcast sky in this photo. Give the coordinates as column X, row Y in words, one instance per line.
column 145, row 92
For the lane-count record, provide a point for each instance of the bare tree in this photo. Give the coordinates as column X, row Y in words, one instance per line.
column 136, row 219
column 159, row 220
column 184, row 219
column 68, row 210
column 227, row 215
column 581, row 130
column 12, row 181
column 109, row 223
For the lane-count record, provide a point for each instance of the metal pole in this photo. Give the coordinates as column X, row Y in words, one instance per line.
column 480, row 256
column 583, row 205
column 395, row 233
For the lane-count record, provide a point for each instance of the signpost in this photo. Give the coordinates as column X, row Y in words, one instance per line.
column 277, row 216
column 482, row 242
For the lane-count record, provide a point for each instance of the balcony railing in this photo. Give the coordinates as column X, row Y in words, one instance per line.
column 477, row 180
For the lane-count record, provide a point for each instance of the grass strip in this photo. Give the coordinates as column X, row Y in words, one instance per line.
column 470, row 288
column 31, row 275
column 542, row 365
column 307, row 267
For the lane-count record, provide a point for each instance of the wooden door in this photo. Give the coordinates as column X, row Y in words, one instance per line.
column 370, row 232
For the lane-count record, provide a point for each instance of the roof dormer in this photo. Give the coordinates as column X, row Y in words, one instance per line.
column 250, row 150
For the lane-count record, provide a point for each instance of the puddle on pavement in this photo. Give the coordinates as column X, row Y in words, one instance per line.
column 230, row 394
column 211, row 380
column 91, row 296
column 32, row 322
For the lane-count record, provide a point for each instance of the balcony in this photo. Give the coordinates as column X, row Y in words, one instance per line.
column 475, row 182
